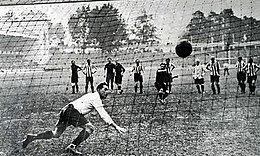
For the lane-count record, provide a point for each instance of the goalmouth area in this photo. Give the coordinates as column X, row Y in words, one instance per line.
column 39, row 39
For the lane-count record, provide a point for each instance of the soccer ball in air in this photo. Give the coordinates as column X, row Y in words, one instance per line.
column 183, row 49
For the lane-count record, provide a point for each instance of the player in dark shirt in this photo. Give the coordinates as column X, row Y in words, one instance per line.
column 74, row 76
column 110, row 72
column 161, row 82
column 119, row 75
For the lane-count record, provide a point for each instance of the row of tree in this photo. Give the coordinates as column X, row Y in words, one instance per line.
column 224, row 26
column 105, row 28
column 101, row 27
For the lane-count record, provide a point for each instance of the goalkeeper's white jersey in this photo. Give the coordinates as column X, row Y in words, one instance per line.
column 88, row 103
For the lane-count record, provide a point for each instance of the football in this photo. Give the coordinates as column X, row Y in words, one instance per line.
column 183, row 49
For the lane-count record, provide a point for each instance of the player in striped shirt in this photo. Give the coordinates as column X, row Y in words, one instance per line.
column 252, row 70
column 138, row 71
column 73, row 114
column 89, row 69
column 213, row 67
column 241, row 74
column 169, row 67
column 198, row 76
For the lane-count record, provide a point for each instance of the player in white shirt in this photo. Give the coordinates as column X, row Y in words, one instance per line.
column 198, row 76
column 226, row 69
column 73, row 114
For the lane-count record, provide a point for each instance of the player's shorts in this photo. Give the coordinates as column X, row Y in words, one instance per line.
column 110, row 76
column 138, row 77
column 241, row 76
column 74, row 79
column 71, row 116
column 214, row 78
column 168, row 77
column 89, row 79
column 118, row 79
column 199, row 81
column 160, row 85
column 251, row 78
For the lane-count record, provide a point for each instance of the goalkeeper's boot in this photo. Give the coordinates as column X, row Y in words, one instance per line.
column 72, row 149
column 29, row 139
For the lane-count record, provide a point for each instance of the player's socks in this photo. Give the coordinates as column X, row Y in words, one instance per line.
column 198, row 88
column 253, row 88
column 135, row 89
column 243, row 87
column 213, row 89
column 32, row 137
column 45, row 135
column 83, row 135
column 92, row 89
column 86, row 89
column 250, row 88
column 77, row 88
column 202, row 88
column 218, row 88
column 73, row 89
column 141, row 88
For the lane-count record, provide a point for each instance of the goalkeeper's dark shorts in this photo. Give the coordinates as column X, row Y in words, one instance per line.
column 71, row 116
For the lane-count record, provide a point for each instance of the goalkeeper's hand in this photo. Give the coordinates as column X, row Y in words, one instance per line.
column 119, row 129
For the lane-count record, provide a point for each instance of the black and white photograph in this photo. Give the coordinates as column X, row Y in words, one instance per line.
column 129, row 77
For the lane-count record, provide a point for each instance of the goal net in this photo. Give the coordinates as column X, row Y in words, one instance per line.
column 39, row 39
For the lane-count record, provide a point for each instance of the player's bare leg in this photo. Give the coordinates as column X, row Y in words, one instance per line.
column 136, row 86
column 141, row 87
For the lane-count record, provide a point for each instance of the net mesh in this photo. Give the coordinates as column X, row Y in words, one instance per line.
column 39, row 39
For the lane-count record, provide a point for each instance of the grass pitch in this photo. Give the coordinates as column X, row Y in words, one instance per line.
column 187, row 124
